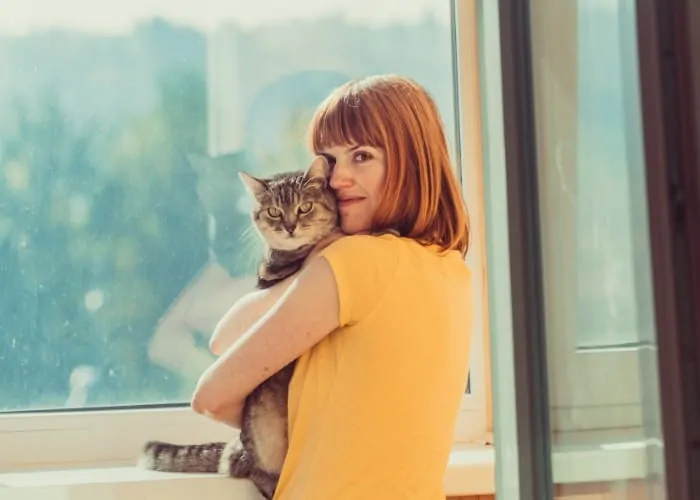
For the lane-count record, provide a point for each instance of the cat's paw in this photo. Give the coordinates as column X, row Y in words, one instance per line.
column 147, row 458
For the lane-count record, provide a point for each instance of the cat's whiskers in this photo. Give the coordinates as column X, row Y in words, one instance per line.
column 251, row 245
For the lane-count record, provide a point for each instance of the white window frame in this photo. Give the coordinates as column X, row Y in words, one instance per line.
column 475, row 422
column 113, row 437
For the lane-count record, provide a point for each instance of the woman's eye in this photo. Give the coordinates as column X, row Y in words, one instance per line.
column 306, row 207
column 361, row 156
column 274, row 212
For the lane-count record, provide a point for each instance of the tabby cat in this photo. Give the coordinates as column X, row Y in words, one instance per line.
column 293, row 211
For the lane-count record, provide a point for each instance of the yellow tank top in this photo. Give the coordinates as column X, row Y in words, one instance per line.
column 372, row 407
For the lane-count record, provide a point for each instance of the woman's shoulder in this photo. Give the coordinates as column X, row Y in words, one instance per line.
column 377, row 255
column 367, row 244
column 389, row 245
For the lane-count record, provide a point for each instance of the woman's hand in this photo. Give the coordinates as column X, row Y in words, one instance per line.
column 230, row 412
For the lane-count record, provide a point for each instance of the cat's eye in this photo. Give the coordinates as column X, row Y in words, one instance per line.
column 274, row 212
column 305, row 207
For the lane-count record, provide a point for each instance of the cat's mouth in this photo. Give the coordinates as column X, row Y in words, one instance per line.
column 293, row 238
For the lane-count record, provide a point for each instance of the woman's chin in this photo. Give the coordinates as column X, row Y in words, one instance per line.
column 353, row 227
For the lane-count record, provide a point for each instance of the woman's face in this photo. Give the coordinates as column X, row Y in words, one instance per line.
column 357, row 176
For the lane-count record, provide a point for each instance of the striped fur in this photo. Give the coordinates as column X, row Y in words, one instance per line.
column 182, row 458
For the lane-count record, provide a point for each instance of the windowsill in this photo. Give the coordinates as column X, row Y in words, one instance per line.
column 121, row 483
column 471, row 471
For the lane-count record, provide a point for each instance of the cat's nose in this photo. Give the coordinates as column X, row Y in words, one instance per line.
column 290, row 228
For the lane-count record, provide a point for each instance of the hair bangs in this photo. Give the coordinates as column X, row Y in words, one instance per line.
column 344, row 119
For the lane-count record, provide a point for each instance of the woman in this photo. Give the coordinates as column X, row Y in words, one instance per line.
column 380, row 324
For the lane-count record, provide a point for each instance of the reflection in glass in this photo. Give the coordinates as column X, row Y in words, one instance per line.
column 603, row 378
column 124, row 233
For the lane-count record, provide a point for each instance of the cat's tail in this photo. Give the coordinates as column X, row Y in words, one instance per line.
column 167, row 457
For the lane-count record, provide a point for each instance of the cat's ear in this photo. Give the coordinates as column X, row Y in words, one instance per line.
column 255, row 186
column 319, row 170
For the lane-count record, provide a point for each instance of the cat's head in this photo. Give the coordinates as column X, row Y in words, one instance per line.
column 293, row 209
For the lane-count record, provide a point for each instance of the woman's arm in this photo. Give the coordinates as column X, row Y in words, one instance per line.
column 307, row 311
column 250, row 308
column 244, row 313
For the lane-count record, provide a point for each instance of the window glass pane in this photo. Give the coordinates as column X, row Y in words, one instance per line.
column 123, row 227
column 602, row 373
column 609, row 153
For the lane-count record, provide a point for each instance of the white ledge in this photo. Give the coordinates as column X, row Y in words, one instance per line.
column 121, row 483
column 471, row 472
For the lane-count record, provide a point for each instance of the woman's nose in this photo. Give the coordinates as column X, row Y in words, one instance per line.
column 340, row 176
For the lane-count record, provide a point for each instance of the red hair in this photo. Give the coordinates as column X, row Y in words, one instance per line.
column 422, row 197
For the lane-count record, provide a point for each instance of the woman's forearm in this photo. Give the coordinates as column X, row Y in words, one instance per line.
column 244, row 313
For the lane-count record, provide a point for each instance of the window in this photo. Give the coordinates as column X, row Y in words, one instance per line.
column 581, row 350
column 595, row 243
column 592, row 205
column 610, row 203
column 123, row 227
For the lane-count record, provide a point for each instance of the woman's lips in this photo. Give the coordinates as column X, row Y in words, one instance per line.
column 346, row 202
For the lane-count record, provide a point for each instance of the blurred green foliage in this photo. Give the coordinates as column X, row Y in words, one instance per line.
column 100, row 230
